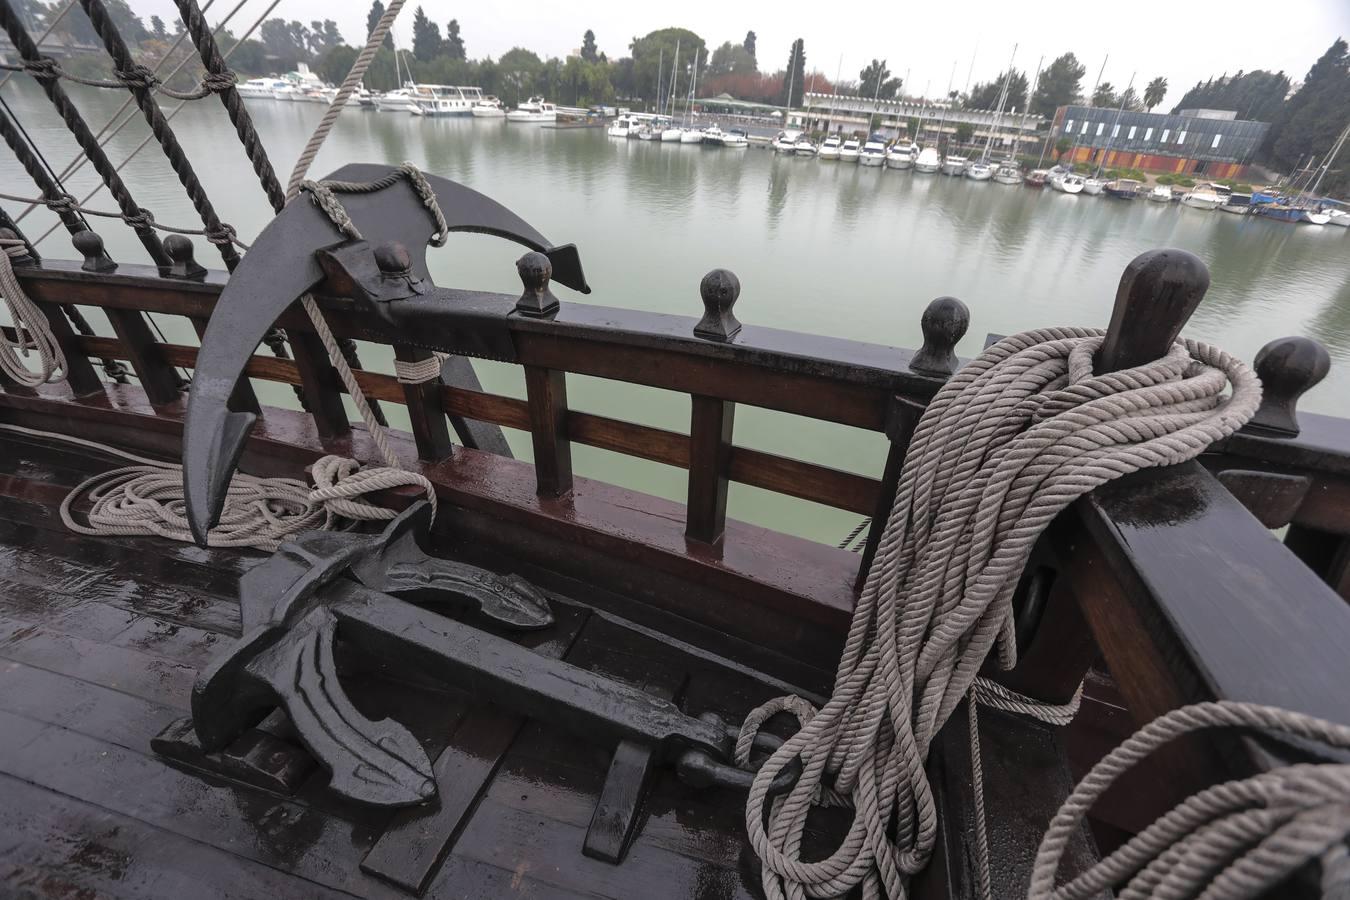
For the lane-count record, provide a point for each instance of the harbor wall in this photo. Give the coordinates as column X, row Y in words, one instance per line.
column 1151, row 162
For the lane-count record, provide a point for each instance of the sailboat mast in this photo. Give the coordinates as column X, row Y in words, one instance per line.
column 1031, row 92
column 660, row 65
column 693, row 83
column 674, row 78
column 876, row 95
column 1002, row 99
column 947, row 99
column 1330, row 158
column 1114, row 125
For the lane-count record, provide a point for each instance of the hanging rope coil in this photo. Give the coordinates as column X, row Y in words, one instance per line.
column 32, row 331
column 1010, row 441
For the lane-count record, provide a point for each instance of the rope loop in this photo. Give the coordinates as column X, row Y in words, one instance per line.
column 31, row 329
column 219, row 82
column 141, row 218
column 137, row 77
column 44, row 68
column 223, row 234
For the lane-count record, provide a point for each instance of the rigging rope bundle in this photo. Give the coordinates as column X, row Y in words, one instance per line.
column 31, row 331
column 1008, row 442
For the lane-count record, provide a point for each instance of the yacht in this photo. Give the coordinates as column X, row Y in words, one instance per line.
column 1036, row 178
column 358, row 97
column 445, row 99
column 830, row 148
column 1069, row 183
column 1205, row 196
column 713, row 135
column 260, row 87
column 736, row 139
column 691, row 135
column 1161, row 193
column 1238, row 204
column 954, row 164
column 1122, row 188
column 648, row 131
column 804, row 147
column 536, row 109
column 873, row 152
column 1336, row 210
column 284, row 90
column 901, row 156
column 979, row 171
column 1008, row 173
column 786, row 141
column 489, row 108
column 399, row 100
column 928, row 161
column 1054, row 174
column 623, row 127
column 851, row 150
column 1284, row 211
column 672, row 134
column 1093, row 186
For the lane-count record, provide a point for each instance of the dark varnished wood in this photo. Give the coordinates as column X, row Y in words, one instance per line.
column 546, row 390
column 1158, row 291
column 711, row 423
column 1288, row 369
column 430, row 430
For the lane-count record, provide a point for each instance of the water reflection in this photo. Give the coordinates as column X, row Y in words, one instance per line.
column 823, row 247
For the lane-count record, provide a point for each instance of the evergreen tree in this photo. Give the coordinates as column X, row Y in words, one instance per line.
column 985, row 95
column 454, row 44
column 794, row 82
column 876, row 74
column 426, row 37
column 1130, row 100
column 1155, row 92
column 1105, row 95
column 1255, row 95
column 373, row 18
column 157, row 29
column 1058, row 86
column 1311, row 120
column 749, row 46
column 730, row 59
column 588, row 46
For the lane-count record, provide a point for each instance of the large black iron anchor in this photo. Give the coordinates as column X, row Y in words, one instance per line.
column 296, row 604
column 295, row 253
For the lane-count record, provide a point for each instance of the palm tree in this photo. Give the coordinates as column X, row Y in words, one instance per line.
column 1154, row 93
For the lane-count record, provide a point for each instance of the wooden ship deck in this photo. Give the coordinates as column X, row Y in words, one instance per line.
column 1223, row 578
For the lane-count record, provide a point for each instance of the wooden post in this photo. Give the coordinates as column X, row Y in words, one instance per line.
column 1158, row 292
column 1288, row 369
column 429, row 427
column 710, row 426
column 546, row 393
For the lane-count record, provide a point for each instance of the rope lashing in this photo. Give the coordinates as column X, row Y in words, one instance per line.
column 1006, row 444
column 142, row 218
column 136, row 77
column 421, row 371
column 1232, row 841
column 32, row 330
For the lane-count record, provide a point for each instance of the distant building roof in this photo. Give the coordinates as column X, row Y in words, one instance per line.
column 1227, row 114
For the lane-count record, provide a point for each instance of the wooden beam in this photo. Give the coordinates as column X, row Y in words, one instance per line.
column 547, row 393
column 711, row 423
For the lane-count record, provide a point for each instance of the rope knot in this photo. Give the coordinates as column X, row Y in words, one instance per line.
column 136, row 76
column 224, row 233
column 338, row 481
column 61, row 203
column 141, row 218
column 44, row 68
column 217, row 82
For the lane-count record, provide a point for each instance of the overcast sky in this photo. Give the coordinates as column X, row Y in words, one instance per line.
column 1183, row 40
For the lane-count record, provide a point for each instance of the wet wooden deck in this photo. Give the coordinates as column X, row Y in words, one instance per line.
column 101, row 639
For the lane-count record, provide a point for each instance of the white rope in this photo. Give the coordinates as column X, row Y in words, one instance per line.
column 32, row 330
column 1230, row 842
column 146, row 498
column 421, row 371
column 1008, row 442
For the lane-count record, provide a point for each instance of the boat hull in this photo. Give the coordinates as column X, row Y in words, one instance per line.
column 828, row 153
column 979, row 173
column 1119, row 194
column 868, row 159
column 1008, row 179
column 488, row 113
column 1201, row 202
column 849, row 156
column 903, row 161
column 1093, row 188
column 691, row 137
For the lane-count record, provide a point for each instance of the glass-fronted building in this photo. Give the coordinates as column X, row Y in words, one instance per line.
column 1213, row 143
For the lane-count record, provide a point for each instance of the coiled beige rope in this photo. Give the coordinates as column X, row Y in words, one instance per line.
column 1010, row 441
column 30, row 327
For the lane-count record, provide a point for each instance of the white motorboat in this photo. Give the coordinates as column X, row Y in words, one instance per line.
column 260, row 87
column 1093, row 186
column 786, row 142
column 1124, row 189
column 1070, row 183
column 713, row 135
column 399, row 100
column 901, row 156
column 1008, row 173
column 803, row 147
column 954, row 164
column 648, row 132
column 489, row 108
column 536, row 110
column 623, row 127
column 1237, row 204
column 1205, row 196
column 873, row 153
column 829, row 149
column 928, row 161
column 736, row 139
column 672, row 134
column 284, row 90
column 979, row 171
column 851, row 150
column 1337, row 215
column 691, row 136
column 1161, row 193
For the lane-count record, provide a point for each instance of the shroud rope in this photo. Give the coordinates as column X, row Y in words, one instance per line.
column 1006, row 444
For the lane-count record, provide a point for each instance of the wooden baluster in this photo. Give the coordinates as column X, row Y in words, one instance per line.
column 545, row 389
column 1158, row 292
column 711, row 420
column 81, row 377
column 1288, row 368
column 158, row 379
column 944, row 323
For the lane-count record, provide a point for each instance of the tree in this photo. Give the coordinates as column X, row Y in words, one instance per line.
column 876, row 80
column 1155, row 92
column 986, row 95
column 322, row 37
column 796, row 77
column 1129, row 99
column 730, row 59
column 1310, row 121
column 964, row 132
column 657, row 48
column 749, row 45
column 287, row 43
column 1105, row 95
column 336, row 63
column 157, row 28
column 1058, row 86
column 588, row 46
column 373, row 18
column 426, row 37
column 454, row 44
column 1255, row 95
column 518, row 74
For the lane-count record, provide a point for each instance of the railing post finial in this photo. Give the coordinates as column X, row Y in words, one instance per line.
column 719, row 290
column 944, row 323
column 1288, row 368
column 90, row 246
column 537, row 301
column 180, row 251
column 1159, row 290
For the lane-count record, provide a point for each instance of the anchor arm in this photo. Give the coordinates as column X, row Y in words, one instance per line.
column 283, row 266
